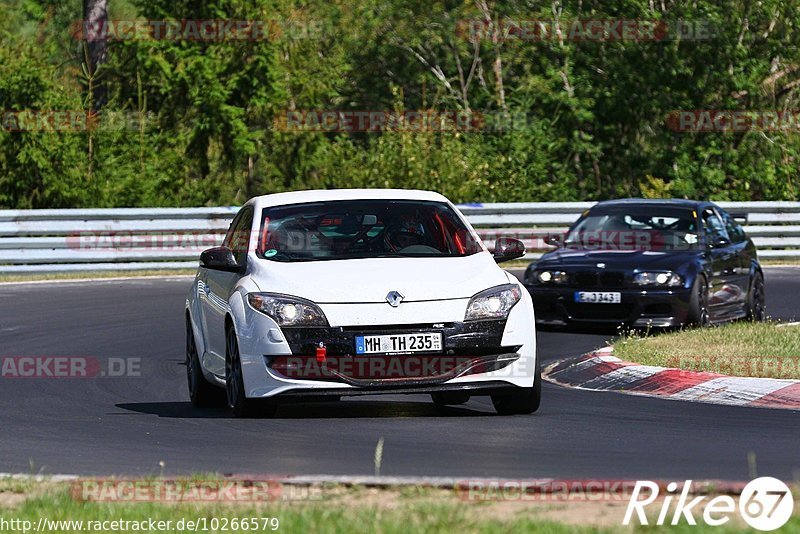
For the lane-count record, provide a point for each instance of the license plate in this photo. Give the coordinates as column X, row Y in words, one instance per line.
column 399, row 343
column 598, row 297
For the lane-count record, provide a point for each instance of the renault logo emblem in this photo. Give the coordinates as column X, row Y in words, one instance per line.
column 394, row 298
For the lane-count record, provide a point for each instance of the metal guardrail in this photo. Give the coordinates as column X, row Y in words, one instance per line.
column 64, row 240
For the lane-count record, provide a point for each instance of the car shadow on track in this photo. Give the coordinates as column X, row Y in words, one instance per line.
column 348, row 409
column 591, row 329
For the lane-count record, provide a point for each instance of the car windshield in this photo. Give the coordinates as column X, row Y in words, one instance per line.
column 635, row 228
column 363, row 229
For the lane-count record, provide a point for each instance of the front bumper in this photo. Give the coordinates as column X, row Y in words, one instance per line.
column 283, row 361
column 468, row 348
column 638, row 307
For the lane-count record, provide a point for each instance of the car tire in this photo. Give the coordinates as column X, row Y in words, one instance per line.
column 756, row 300
column 238, row 402
column 202, row 393
column 449, row 398
column 520, row 401
column 698, row 304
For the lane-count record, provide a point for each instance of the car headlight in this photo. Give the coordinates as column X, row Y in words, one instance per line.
column 494, row 303
column 657, row 278
column 551, row 277
column 286, row 310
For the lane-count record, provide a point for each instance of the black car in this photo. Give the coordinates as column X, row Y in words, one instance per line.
column 642, row 263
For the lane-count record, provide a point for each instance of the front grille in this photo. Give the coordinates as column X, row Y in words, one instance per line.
column 585, row 278
column 591, row 279
column 474, row 337
column 612, row 279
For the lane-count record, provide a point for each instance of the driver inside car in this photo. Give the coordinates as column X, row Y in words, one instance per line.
column 404, row 234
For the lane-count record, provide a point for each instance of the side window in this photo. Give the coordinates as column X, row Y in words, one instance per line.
column 735, row 231
column 226, row 241
column 238, row 237
column 715, row 229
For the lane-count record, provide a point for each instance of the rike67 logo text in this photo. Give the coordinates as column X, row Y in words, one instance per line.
column 765, row 504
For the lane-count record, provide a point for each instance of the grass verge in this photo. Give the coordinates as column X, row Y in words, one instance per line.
column 767, row 350
column 33, row 277
column 333, row 509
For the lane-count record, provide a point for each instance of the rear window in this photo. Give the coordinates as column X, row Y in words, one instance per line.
column 363, row 229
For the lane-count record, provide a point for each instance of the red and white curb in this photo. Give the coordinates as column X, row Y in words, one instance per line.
column 602, row 371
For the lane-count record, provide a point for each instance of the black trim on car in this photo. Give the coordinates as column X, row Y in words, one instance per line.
column 473, row 337
column 495, row 387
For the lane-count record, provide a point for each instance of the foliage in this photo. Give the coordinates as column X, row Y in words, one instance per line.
column 591, row 116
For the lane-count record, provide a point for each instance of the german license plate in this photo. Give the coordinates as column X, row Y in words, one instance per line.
column 598, row 297
column 399, row 343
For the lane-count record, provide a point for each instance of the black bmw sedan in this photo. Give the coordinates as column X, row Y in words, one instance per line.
column 642, row 263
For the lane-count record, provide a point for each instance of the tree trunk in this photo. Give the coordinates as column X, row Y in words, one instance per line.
column 95, row 19
column 497, row 64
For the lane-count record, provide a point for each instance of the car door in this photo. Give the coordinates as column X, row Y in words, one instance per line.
column 724, row 292
column 219, row 286
column 741, row 248
column 208, row 307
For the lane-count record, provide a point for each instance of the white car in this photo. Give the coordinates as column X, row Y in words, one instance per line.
column 320, row 294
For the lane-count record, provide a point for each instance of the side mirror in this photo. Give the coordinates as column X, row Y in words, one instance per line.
column 554, row 240
column 507, row 248
column 219, row 259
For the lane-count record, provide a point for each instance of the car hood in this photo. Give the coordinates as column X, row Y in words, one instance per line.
column 370, row 280
column 624, row 259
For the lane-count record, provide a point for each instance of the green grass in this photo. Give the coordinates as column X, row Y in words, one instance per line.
column 334, row 514
column 339, row 509
column 737, row 349
column 777, row 262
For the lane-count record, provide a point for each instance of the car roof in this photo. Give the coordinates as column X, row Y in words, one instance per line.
column 666, row 202
column 327, row 195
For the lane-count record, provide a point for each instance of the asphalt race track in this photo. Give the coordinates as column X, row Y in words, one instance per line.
column 129, row 425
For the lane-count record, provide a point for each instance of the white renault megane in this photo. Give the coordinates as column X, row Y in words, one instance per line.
column 320, row 294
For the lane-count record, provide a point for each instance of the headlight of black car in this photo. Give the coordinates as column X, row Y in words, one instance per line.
column 287, row 310
column 657, row 278
column 549, row 277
